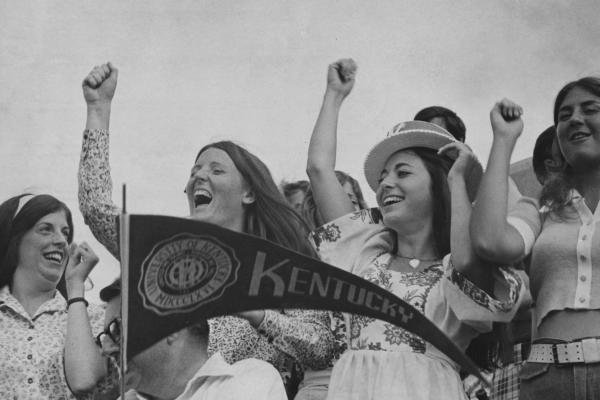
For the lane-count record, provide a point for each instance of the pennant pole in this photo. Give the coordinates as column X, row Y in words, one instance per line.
column 124, row 250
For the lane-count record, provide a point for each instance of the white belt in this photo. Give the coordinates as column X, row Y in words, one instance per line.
column 583, row 351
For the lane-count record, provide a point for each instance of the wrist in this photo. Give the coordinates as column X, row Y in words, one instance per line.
column 334, row 97
column 99, row 107
column 79, row 299
column 75, row 289
column 455, row 179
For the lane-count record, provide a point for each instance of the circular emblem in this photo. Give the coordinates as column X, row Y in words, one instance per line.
column 184, row 272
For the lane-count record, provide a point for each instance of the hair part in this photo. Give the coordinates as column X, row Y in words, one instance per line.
column 14, row 227
column 269, row 216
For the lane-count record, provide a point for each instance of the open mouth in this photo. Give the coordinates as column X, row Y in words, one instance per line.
column 202, row 197
column 392, row 199
column 55, row 256
column 578, row 136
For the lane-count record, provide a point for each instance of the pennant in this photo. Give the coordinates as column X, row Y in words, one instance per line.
column 176, row 271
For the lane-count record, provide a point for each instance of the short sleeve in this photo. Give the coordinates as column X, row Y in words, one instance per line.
column 475, row 307
column 353, row 240
column 525, row 217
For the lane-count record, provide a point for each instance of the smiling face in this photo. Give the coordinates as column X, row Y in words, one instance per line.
column 216, row 191
column 578, row 129
column 43, row 250
column 404, row 192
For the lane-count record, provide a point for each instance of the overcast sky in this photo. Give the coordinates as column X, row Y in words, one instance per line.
column 192, row 72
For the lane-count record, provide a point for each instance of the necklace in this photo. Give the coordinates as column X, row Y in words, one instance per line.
column 415, row 262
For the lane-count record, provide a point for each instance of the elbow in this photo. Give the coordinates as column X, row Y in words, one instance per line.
column 491, row 250
column 313, row 170
column 82, row 385
column 316, row 168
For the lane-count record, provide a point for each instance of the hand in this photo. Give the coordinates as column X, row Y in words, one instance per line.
column 100, row 84
column 254, row 317
column 465, row 159
column 506, row 119
column 82, row 260
column 340, row 77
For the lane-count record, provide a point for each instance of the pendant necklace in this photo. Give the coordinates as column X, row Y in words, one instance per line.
column 415, row 262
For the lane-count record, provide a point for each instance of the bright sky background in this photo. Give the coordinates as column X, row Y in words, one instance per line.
column 192, row 72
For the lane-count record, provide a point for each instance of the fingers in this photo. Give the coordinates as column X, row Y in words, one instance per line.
column 114, row 72
column 508, row 109
column 346, row 69
column 82, row 253
column 99, row 74
column 454, row 149
column 87, row 253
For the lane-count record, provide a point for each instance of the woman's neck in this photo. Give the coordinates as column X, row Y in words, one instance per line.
column 30, row 297
column 588, row 185
column 418, row 243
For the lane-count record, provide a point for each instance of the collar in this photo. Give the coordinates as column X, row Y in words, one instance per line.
column 57, row 303
column 213, row 367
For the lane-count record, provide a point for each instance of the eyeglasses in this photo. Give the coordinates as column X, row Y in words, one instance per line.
column 113, row 331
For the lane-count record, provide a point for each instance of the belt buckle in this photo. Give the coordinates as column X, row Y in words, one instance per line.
column 590, row 350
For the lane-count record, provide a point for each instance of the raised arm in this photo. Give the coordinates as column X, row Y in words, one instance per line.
column 95, row 184
column 493, row 238
column 84, row 364
column 330, row 199
column 464, row 258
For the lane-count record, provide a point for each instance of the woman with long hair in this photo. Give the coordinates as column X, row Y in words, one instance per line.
column 416, row 245
column 230, row 187
column 47, row 348
column 558, row 232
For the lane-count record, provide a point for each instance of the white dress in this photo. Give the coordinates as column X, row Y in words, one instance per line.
column 383, row 361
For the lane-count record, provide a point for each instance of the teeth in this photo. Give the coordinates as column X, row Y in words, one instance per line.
column 56, row 256
column 391, row 200
column 202, row 196
column 579, row 135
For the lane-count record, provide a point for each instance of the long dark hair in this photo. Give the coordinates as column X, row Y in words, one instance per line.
column 438, row 168
column 269, row 216
column 13, row 227
column 484, row 349
column 557, row 189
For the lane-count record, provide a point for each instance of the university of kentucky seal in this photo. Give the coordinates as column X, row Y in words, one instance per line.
column 184, row 272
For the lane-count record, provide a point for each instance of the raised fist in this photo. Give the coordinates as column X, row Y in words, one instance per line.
column 340, row 76
column 100, row 84
column 506, row 119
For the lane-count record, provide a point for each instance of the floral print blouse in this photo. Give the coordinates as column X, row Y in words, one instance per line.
column 32, row 350
column 360, row 243
column 283, row 337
